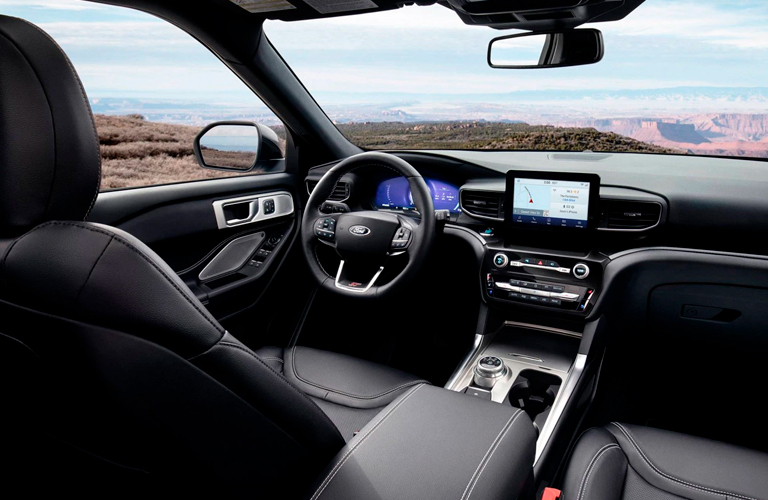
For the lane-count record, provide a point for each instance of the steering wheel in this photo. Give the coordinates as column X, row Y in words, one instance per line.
column 365, row 240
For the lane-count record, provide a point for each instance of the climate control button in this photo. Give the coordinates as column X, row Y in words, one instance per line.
column 500, row 260
column 581, row 271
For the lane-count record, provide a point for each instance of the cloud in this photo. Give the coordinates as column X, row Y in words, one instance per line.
column 52, row 4
column 742, row 25
column 129, row 34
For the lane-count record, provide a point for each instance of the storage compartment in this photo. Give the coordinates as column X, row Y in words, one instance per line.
column 535, row 391
column 435, row 443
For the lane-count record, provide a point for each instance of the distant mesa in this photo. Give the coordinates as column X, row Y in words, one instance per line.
column 658, row 132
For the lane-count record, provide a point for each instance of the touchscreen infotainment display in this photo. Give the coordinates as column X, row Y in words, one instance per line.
column 551, row 200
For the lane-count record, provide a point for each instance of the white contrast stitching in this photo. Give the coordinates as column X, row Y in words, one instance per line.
column 589, row 469
column 338, row 466
column 271, row 359
column 294, row 368
column 492, row 450
column 672, row 478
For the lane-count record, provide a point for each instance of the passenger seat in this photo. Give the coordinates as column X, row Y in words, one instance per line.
column 628, row 462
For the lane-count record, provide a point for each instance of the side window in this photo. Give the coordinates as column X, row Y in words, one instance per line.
column 151, row 86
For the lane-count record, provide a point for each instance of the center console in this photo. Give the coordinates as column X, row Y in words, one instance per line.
column 559, row 209
column 541, row 277
column 433, row 443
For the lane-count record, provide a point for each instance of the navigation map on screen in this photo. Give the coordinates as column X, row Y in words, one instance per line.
column 548, row 202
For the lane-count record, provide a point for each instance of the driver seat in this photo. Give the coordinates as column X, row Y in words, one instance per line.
column 109, row 365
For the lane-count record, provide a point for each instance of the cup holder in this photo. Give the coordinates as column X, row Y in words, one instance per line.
column 534, row 392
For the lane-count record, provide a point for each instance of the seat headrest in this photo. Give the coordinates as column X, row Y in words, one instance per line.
column 50, row 165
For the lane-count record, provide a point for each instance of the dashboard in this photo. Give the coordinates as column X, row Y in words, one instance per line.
column 548, row 224
column 395, row 194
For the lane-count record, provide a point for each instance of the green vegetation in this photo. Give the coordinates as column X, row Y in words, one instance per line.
column 489, row 135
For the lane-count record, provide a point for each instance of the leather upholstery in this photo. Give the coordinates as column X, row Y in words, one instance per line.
column 345, row 380
column 129, row 366
column 434, row 444
column 349, row 390
column 50, row 166
column 106, row 277
column 628, row 462
column 101, row 277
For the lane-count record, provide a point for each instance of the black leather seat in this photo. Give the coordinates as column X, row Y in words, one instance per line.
column 105, row 353
column 349, row 390
column 628, row 462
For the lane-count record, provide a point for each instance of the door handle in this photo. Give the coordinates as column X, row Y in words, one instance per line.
column 253, row 208
column 259, row 207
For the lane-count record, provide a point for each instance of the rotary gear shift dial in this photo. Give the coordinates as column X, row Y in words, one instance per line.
column 489, row 369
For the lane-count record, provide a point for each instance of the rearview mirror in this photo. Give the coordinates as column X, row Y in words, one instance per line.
column 551, row 49
column 238, row 146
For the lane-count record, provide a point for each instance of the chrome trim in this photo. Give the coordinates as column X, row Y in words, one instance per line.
column 561, row 401
column 517, row 263
column 525, row 356
column 283, row 206
column 531, row 326
column 585, row 274
column 566, row 296
column 483, row 217
column 458, row 373
column 356, row 290
column 658, row 222
column 506, row 260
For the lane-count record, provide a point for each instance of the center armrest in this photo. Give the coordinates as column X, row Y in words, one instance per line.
column 432, row 443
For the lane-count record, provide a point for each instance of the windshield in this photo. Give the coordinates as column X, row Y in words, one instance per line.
column 677, row 77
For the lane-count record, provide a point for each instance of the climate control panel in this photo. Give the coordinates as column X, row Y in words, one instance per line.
column 565, row 283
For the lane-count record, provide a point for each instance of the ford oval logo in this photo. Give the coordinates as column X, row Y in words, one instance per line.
column 359, row 230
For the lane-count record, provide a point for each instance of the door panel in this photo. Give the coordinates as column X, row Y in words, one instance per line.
column 179, row 222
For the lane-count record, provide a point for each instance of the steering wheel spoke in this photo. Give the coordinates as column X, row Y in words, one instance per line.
column 345, row 283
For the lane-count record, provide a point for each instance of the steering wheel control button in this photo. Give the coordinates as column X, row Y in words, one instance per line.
column 401, row 239
column 325, row 228
column 581, row 271
column 488, row 370
column 500, row 260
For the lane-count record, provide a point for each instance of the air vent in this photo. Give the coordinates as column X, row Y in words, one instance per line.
column 340, row 192
column 485, row 204
column 620, row 215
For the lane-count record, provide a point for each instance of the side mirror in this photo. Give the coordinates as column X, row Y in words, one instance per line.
column 238, row 146
column 551, row 49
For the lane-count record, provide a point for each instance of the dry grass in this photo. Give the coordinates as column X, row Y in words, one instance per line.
column 136, row 152
column 236, row 159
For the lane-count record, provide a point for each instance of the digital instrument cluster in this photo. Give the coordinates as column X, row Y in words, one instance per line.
column 395, row 194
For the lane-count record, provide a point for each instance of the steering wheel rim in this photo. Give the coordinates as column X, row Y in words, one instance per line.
column 419, row 241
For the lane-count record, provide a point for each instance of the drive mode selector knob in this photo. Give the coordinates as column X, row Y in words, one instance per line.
column 581, row 271
column 488, row 370
column 500, row 260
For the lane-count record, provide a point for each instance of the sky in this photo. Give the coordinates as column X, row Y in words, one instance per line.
column 427, row 54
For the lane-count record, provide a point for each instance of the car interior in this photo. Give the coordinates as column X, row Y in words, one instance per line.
column 372, row 324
